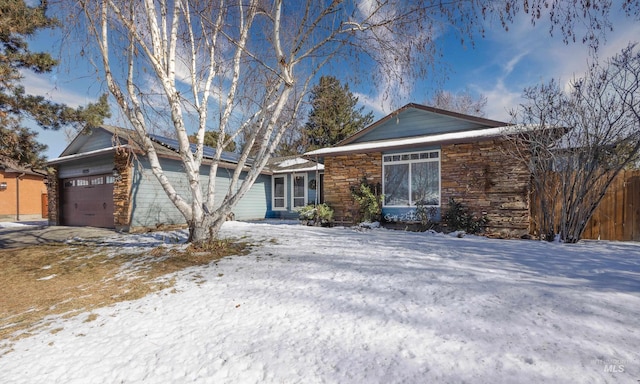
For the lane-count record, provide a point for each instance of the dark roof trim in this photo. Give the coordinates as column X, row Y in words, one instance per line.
column 8, row 165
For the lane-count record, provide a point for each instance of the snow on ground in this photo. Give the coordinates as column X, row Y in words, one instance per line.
column 338, row 305
column 11, row 224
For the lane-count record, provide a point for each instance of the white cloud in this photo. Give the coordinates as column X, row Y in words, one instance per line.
column 500, row 101
column 527, row 55
column 513, row 62
column 379, row 103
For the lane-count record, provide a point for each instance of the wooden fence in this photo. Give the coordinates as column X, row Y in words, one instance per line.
column 618, row 215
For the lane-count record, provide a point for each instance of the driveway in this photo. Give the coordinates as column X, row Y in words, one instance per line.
column 18, row 236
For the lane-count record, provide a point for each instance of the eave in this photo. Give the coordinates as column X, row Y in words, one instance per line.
column 414, row 142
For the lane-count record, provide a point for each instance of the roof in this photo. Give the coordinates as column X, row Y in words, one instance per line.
column 208, row 152
column 413, row 142
column 420, row 120
column 9, row 165
column 293, row 164
column 128, row 138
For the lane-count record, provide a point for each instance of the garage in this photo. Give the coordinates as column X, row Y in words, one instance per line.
column 88, row 201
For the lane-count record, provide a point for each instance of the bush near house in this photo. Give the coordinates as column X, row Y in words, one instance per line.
column 317, row 215
column 425, row 215
column 458, row 218
column 369, row 201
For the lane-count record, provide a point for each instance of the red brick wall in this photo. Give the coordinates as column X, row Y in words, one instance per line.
column 31, row 189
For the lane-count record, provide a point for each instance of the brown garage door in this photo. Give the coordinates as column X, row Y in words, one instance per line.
column 88, row 201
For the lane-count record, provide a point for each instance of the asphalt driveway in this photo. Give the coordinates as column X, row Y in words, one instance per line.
column 26, row 235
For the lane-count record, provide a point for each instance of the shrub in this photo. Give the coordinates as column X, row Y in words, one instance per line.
column 458, row 217
column 368, row 200
column 312, row 214
column 425, row 215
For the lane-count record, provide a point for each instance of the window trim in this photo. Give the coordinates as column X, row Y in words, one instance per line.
column 304, row 187
column 409, row 161
column 273, row 193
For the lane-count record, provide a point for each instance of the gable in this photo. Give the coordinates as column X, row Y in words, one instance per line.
column 415, row 120
column 97, row 138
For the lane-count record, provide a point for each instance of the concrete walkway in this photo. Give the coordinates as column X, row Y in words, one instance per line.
column 23, row 234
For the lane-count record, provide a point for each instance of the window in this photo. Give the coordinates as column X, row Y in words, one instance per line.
column 97, row 180
column 279, row 193
column 411, row 178
column 299, row 190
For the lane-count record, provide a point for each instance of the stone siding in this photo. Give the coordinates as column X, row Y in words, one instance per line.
column 479, row 175
column 122, row 190
column 53, row 196
column 482, row 177
column 343, row 172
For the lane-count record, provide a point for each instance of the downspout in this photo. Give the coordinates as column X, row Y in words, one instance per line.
column 18, row 196
column 317, row 183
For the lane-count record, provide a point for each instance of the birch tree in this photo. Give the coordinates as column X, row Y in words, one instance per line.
column 236, row 65
column 463, row 102
column 577, row 141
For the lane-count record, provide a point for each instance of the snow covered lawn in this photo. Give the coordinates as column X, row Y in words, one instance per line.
column 335, row 305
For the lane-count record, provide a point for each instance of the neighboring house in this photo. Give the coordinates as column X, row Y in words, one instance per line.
column 429, row 155
column 295, row 182
column 103, row 179
column 22, row 191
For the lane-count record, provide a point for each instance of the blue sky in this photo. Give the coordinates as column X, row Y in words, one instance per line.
column 499, row 66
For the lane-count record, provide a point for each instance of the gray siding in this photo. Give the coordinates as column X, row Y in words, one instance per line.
column 253, row 204
column 151, row 206
column 86, row 167
column 414, row 122
column 98, row 139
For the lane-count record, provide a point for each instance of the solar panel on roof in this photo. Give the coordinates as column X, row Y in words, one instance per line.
column 208, row 152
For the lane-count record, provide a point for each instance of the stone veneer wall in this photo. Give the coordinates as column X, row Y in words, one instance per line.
column 476, row 174
column 53, row 196
column 122, row 190
column 485, row 180
column 342, row 172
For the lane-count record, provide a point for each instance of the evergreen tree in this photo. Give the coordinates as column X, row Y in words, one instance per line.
column 211, row 140
column 333, row 116
column 18, row 22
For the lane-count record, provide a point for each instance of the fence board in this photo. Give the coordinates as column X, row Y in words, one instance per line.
column 619, row 206
column 632, row 208
column 618, row 215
